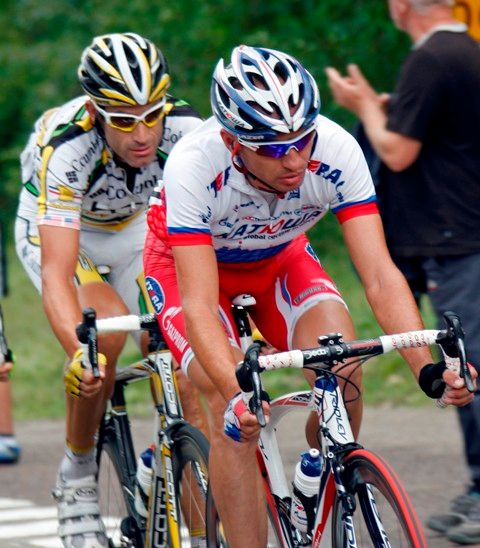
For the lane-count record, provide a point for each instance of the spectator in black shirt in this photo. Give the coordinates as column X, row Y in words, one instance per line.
column 427, row 137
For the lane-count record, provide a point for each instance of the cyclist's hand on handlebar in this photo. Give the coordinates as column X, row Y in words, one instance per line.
column 79, row 381
column 437, row 381
column 239, row 423
column 456, row 392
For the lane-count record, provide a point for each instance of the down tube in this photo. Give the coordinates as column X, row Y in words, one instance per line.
column 272, row 466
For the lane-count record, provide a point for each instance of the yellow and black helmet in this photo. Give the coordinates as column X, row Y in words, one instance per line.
column 123, row 70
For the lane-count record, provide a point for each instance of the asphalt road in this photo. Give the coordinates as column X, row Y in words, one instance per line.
column 423, row 445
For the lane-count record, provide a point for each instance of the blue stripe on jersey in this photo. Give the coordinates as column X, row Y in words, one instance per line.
column 182, row 230
column 225, row 255
column 369, row 200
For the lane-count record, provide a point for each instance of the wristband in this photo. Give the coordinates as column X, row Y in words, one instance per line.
column 431, row 380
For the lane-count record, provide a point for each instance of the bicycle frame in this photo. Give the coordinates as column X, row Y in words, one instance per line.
column 164, row 514
column 162, row 527
column 335, row 433
column 335, row 503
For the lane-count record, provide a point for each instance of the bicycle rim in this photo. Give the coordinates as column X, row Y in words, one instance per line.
column 384, row 515
column 190, row 472
column 116, row 496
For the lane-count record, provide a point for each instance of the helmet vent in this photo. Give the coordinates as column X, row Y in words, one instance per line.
column 281, row 71
column 235, row 82
column 223, row 95
column 257, row 80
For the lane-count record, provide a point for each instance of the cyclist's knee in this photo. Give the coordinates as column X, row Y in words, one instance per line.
column 103, row 298
column 189, row 394
column 352, row 372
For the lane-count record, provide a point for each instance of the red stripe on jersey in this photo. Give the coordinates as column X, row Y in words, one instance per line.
column 356, row 210
column 190, row 239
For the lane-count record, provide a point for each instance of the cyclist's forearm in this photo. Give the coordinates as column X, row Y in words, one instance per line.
column 396, row 312
column 59, row 256
column 212, row 349
column 199, row 289
column 61, row 305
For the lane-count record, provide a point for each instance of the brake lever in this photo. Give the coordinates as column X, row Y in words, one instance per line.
column 455, row 344
column 248, row 377
column 87, row 335
column 256, row 400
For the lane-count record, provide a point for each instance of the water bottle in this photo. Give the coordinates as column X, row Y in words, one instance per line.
column 306, row 483
column 143, row 481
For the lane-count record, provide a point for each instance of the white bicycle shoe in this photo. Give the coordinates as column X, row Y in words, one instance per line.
column 80, row 523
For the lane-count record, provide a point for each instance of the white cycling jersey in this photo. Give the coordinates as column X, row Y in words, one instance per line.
column 71, row 177
column 209, row 201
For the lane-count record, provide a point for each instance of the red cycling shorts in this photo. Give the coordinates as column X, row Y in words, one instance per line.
column 284, row 286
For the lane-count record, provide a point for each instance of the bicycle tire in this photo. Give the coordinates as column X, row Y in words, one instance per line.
column 116, row 491
column 190, row 475
column 383, row 509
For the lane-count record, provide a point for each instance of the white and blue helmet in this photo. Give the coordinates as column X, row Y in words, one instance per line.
column 263, row 93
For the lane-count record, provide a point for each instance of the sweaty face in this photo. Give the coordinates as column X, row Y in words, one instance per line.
column 282, row 174
column 137, row 148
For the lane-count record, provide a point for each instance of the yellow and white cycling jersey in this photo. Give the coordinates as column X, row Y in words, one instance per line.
column 71, row 179
column 71, row 176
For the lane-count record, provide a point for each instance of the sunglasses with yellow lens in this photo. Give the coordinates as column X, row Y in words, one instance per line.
column 128, row 122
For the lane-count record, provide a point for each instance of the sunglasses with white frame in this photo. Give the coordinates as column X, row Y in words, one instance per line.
column 128, row 122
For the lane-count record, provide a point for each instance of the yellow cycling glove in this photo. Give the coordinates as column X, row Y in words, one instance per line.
column 74, row 371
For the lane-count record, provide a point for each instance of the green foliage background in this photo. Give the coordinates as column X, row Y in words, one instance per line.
column 40, row 48
column 42, row 41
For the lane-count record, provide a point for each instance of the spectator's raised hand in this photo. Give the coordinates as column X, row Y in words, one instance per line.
column 353, row 90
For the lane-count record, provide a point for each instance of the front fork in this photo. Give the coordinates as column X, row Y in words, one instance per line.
column 163, row 526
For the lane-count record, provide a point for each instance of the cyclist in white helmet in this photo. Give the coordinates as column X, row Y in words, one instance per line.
column 239, row 194
column 88, row 171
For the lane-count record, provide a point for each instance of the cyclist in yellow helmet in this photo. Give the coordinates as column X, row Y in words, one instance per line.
column 88, row 172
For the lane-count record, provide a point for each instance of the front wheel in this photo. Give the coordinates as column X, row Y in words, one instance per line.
column 383, row 514
column 116, row 477
column 190, row 476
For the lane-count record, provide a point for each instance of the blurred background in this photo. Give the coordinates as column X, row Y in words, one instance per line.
column 40, row 48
